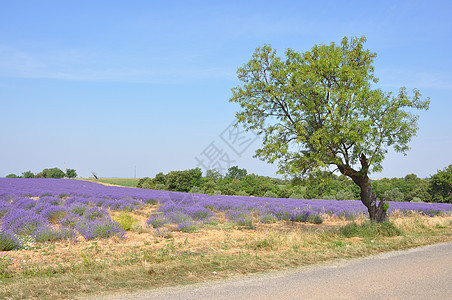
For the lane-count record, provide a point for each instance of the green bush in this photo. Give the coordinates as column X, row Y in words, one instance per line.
column 268, row 218
column 196, row 190
column 270, row 194
column 28, row 174
column 52, row 173
column 344, row 195
column 315, row 219
column 12, row 176
column 159, row 186
column 440, row 186
column 242, row 193
column 125, row 220
column 146, row 185
column 417, row 200
column 296, row 196
column 394, row 195
column 70, row 173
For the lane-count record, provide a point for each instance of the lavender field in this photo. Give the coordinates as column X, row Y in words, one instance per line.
column 57, row 209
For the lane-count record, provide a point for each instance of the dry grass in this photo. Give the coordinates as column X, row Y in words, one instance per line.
column 76, row 269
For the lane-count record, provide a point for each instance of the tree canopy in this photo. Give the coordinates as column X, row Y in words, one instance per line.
column 440, row 185
column 319, row 109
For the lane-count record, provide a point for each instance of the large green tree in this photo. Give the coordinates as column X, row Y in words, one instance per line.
column 440, row 185
column 320, row 110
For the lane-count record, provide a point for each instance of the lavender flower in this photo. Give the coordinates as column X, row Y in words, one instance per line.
column 22, row 222
column 49, row 234
column 8, row 241
column 99, row 229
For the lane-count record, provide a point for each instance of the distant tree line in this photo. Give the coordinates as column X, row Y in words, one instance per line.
column 47, row 173
column 322, row 185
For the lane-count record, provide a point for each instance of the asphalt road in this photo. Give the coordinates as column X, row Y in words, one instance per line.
column 421, row 273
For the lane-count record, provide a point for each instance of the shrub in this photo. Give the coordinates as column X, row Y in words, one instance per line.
column 95, row 213
column 160, row 186
column 52, row 173
column 394, row 195
column 268, row 218
column 8, row 241
column 70, row 173
column 300, row 216
column 344, row 195
column 146, row 185
column 49, row 234
column 270, row 194
column 199, row 213
column 296, row 196
column 187, row 226
column 244, row 221
column 196, row 190
column 28, row 174
column 78, row 208
column 125, row 220
column 99, row 229
column 4, row 208
column 315, row 219
column 417, row 200
column 12, row 176
column 54, row 213
column 71, row 220
column 156, row 221
column 25, row 203
column 242, row 193
column 22, row 222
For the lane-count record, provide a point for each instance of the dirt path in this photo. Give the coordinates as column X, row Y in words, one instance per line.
column 422, row 273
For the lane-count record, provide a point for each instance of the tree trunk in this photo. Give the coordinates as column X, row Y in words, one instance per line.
column 377, row 213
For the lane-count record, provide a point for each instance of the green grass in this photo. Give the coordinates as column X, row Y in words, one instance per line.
column 127, row 182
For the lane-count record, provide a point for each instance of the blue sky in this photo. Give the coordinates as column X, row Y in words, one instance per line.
column 106, row 86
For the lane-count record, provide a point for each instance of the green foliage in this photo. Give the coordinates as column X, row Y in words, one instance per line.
column 417, row 200
column 183, row 181
column 410, row 185
column 209, row 187
column 52, row 173
column 71, row 173
column 322, row 103
column 146, row 185
column 196, row 190
column 235, row 172
column 267, row 218
column 28, row 174
column 344, row 195
column 315, row 219
column 270, row 194
column 296, row 196
column 12, row 176
column 393, row 195
column 141, row 181
column 326, row 185
column 440, row 186
column 242, row 193
column 125, row 220
column 213, row 174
